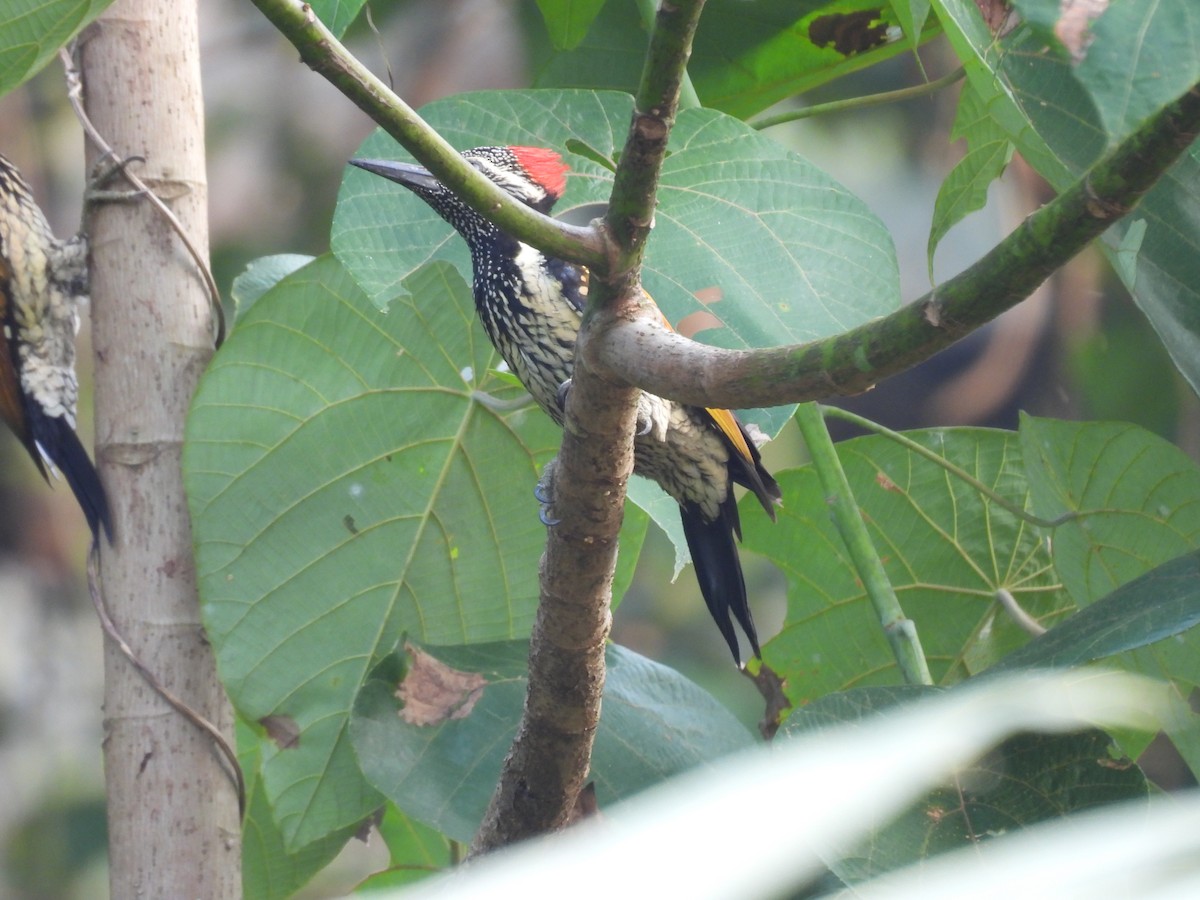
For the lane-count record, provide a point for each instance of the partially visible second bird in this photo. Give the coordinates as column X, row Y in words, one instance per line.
column 43, row 284
column 531, row 307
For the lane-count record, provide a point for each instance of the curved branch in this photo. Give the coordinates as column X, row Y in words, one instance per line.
column 641, row 351
column 326, row 56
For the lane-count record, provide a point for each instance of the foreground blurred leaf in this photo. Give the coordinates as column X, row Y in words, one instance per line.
column 674, row 840
column 443, row 769
column 1029, row 778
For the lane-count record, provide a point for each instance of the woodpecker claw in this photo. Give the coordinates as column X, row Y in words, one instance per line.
column 543, row 491
column 560, row 396
column 106, row 169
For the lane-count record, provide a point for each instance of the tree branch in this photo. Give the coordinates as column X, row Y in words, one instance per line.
column 644, row 353
column 326, row 56
column 551, row 754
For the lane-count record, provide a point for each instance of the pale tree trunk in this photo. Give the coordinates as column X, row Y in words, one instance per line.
column 172, row 808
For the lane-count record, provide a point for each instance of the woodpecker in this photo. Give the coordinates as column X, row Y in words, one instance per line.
column 43, row 283
column 531, row 307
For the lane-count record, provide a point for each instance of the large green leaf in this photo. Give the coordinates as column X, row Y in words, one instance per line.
column 441, row 766
column 1027, row 779
column 946, row 549
column 750, row 240
column 346, row 488
column 747, row 54
column 1141, row 496
column 32, row 31
column 1062, row 115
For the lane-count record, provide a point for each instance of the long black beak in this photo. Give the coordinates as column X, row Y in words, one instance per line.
column 410, row 175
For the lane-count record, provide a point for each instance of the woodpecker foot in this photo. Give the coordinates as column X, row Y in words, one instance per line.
column 543, row 491
column 653, row 416
column 107, row 168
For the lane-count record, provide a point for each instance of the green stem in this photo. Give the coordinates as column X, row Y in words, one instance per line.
column 912, row 446
column 849, row 103
column 900, row 630
column 326, row 56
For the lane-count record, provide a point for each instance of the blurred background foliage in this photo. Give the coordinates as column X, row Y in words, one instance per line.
column 278, row 138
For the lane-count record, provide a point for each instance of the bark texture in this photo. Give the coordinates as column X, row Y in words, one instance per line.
column 172, row 807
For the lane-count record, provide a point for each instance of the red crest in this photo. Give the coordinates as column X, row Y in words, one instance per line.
column 544, row 167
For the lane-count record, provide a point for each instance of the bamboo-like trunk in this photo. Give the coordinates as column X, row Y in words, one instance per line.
column 172, row 809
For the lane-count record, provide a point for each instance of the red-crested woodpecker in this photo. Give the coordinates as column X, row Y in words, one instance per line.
column 43, row 284
column 531, row 307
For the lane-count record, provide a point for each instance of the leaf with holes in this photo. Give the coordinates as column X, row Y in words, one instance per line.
column 747, row 54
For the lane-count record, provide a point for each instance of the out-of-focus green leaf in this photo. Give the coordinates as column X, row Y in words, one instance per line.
column 747, row 54
column 965, row 188
column 567, row 21
column 32, row 31
column 441, row 765
column 337, row 14
column 1063, row 114
column 912, row 15
column 415, row 851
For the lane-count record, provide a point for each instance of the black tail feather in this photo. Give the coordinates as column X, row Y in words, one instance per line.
column 54, row 436
column 719, row 571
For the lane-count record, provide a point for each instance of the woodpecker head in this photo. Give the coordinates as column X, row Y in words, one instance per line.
column 533, row 175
